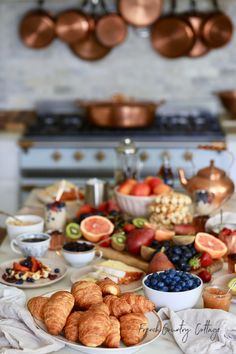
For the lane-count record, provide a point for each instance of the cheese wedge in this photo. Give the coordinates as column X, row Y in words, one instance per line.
column 125, row 274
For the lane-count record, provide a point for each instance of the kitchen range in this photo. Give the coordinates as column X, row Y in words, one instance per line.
column 60, row 145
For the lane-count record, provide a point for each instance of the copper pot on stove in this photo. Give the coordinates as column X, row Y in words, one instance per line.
column 120, row 112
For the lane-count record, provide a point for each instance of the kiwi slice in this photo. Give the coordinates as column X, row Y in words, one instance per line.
column 73, row 231
column 118, row 241
column 139, row 222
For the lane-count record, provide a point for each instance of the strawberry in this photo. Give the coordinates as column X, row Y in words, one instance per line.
column 35, row 264
column 205, row 276
column 19, row 268
column 195, row 263
column 206, row 259
column 128, row 227
column 84, row 209
column 106, row 242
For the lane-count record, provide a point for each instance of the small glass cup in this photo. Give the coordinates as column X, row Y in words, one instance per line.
column 217, row 297
column 55, row 216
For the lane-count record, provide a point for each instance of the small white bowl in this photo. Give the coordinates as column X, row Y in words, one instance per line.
column 133, row 205
column 79, row 259
column 175, row 301
column 14, row 230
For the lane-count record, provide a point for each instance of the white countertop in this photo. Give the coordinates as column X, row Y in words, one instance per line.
column 162, row 345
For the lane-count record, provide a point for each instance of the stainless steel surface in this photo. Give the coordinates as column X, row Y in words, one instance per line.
column 96, row 192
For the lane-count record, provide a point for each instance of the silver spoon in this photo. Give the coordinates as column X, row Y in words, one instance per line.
column 12, row 216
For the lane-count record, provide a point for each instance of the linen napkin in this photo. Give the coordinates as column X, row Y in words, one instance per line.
column 18, row 331
column 200, row 331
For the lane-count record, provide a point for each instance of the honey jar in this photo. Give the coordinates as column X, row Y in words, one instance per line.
column 215, row 297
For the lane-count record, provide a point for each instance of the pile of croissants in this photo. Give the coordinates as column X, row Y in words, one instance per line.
column 94, row 314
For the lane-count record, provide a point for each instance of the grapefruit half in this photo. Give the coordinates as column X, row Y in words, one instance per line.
column 210, row 244
column 93, row 228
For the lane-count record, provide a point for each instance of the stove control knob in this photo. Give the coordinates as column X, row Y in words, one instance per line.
column 78, row 156
column 56, row 156
column 144, row 156
column 100, row 156
column 188, row 156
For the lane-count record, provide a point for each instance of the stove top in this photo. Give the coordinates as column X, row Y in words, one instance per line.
column 199, row 126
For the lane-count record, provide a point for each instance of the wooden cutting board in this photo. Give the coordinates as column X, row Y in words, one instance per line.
column 138, row 262
column 125, row 257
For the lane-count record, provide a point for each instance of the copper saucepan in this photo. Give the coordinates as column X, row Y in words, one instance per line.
column 72, row 25
column 228, row 100
column 140, row 13
column 196, row 19
column 111, row 30
column 217, row 29
column 172, row 36
column 37, row 28
column 121, row 113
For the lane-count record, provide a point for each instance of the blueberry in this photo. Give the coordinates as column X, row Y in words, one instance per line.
column 20, row 281
column 177, row 250
column 165, row 288
column 155, row 244
column 113, row 213
column 172, row 288
column 8, row 270
column 178, row 288
column 190, row 283
column 56, row 270
column 168, row 281
column 154, row 282
column 166, row 244
column 177, row 278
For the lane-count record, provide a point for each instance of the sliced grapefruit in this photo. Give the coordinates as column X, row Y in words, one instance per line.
column 93, row 228
column 210, row 244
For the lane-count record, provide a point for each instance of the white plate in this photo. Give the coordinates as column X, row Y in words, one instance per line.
column 38, row 283
column 227, row 218
column 223, row 281
column 125, row 288
column 154, row 330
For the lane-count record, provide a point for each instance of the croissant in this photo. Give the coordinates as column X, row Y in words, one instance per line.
column 93, row 328
column 113, row 338
column 117, row 305
column 56, row 311
column 71, row 329
column 138, row 303
column 100, row 307
column 108, row 287
column 133, row 327
column 35, row 306
column 86, row 294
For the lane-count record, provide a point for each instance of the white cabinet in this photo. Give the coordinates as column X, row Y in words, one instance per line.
column 9, row 172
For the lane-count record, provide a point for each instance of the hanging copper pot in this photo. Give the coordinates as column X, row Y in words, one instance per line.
column 37, row 28
column 217, row 29
column 196, row 19
column 90, row 48
column 172, row 36
column 140, row 13
column 111, row 30
column 71, row 26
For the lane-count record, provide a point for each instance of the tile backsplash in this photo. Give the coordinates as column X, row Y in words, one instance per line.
column 133, row 68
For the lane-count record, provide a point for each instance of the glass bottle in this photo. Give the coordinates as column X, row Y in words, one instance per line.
column 165, row 171
column 127, row 161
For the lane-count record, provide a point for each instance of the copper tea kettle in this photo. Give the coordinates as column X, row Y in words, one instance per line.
column 210, row 179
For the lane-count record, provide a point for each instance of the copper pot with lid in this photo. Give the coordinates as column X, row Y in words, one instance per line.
column 120, row 112
column 212, row 180
column 140, row 13
column 37, row 28
column 172, row 36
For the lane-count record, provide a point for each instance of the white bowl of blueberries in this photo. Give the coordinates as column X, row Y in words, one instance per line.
column 174, row 289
